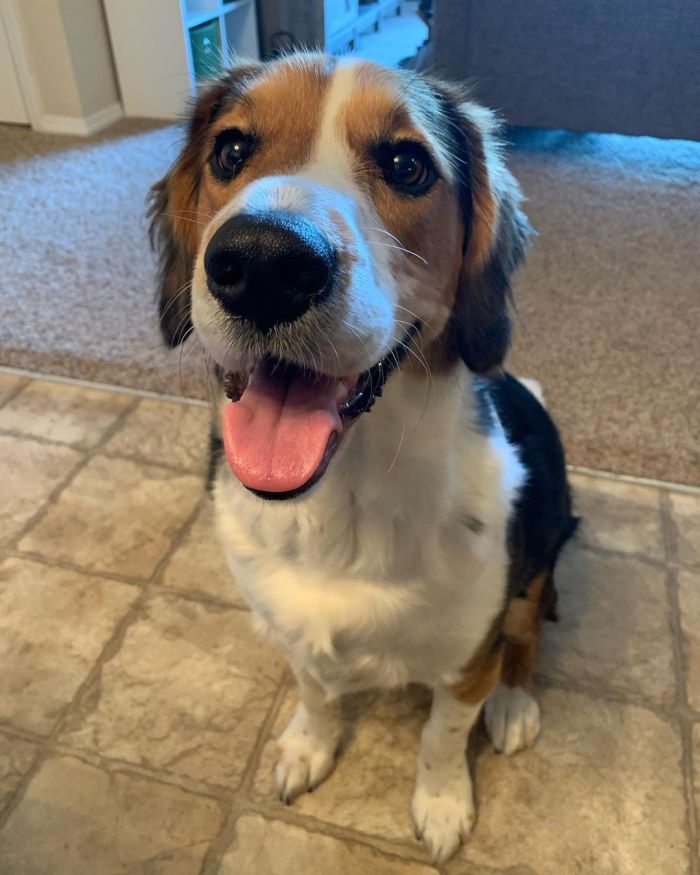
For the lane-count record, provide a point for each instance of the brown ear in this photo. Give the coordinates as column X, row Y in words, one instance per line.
column 496, row 236
column 172, row 209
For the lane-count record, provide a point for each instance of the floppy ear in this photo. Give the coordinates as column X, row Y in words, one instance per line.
column 495, row 239
column 172, row 210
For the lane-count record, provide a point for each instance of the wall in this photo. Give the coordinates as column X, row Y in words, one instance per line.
column 86, row 32
column 65, row 68
column 49, row 57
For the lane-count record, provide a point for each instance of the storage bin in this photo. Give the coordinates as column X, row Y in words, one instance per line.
column 205, row 40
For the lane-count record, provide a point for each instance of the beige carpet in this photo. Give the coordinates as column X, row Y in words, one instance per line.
column 609, row 300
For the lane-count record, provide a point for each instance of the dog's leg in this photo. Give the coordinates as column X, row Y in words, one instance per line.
column 443, row 804
column 309, row 743
column 512, row 714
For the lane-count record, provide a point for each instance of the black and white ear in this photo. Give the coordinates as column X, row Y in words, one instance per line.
column 496, row 237
column 172, row 210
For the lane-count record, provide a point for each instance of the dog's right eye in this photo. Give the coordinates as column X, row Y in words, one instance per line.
column 231, row 149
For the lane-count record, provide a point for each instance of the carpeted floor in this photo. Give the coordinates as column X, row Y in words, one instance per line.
column 609, row 300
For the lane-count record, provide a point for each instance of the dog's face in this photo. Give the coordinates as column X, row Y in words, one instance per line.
column 327, row 213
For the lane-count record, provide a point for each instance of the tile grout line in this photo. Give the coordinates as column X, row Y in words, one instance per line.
column 70, row 477
column 83, row 570
column 403, row 848
column 219, row 844
column 19, row 388
column 666, row 485
column 681, row 671
column 283, row 688
column 109, row 650
column 110, row 388
column 45, row 749
column 659, row 564
column 107, row 454
column 199, row 598
column 29, row 735
column 166, row 779
column 117, row 577
column 600, row 692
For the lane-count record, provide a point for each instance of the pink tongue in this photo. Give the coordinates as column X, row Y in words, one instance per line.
column 276, row 436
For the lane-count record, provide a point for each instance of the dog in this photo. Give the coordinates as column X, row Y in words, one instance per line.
column 341, row 237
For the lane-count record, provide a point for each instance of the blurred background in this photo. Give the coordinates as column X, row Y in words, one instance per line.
column 602, row 99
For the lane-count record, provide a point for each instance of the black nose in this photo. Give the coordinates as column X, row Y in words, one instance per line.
column 268, row 267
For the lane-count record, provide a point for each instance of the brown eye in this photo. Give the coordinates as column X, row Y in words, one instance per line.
column 407, row 167
column 231, row 149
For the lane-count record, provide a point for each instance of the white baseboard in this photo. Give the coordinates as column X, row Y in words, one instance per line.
column 79, row 126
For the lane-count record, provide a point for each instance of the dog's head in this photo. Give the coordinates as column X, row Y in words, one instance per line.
column 325, row 213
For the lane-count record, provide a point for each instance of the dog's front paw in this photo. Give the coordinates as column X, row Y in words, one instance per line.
column 307, row 754
column 443, row 813
column 512, row 719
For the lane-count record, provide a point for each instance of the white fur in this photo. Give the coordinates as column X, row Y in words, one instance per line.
column 443, row 802
column 512, row 719
column 309, row 743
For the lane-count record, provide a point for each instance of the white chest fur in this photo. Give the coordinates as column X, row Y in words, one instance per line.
column 392, row 570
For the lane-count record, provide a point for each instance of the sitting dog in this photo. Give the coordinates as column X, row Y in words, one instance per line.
column 334, row 232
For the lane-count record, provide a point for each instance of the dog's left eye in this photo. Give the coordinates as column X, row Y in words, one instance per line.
column 231, row 149
column 406, row 167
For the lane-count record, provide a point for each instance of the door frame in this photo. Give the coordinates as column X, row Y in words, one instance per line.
column 15, row 37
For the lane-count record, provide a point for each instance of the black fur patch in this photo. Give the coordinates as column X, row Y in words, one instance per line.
column 542, row 521
column 454, row 134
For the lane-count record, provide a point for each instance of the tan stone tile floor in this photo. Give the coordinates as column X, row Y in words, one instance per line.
column 138, row 709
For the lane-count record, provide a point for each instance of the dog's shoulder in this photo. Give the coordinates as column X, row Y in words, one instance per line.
column 541, row 520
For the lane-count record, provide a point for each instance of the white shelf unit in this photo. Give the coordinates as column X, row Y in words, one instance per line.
column 344, row 21
column 333, row 25
column 152, row 43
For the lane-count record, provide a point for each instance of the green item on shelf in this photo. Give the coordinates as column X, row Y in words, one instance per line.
column 205, row 40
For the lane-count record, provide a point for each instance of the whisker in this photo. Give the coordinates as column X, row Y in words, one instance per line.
column 384, row 231
column 416, row 317
column 173, row 299
column 398, row 449
column 188, row 219
column 397, row 243
column 402, row 249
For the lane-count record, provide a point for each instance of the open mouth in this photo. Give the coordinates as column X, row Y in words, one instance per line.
column 284, row 423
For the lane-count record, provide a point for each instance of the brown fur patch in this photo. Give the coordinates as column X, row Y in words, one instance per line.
column 481, row 674
column 428, row 228
column 508, row 651
column 283, row 109
column 176, row 221
column 522, row 627
column 484, row 203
